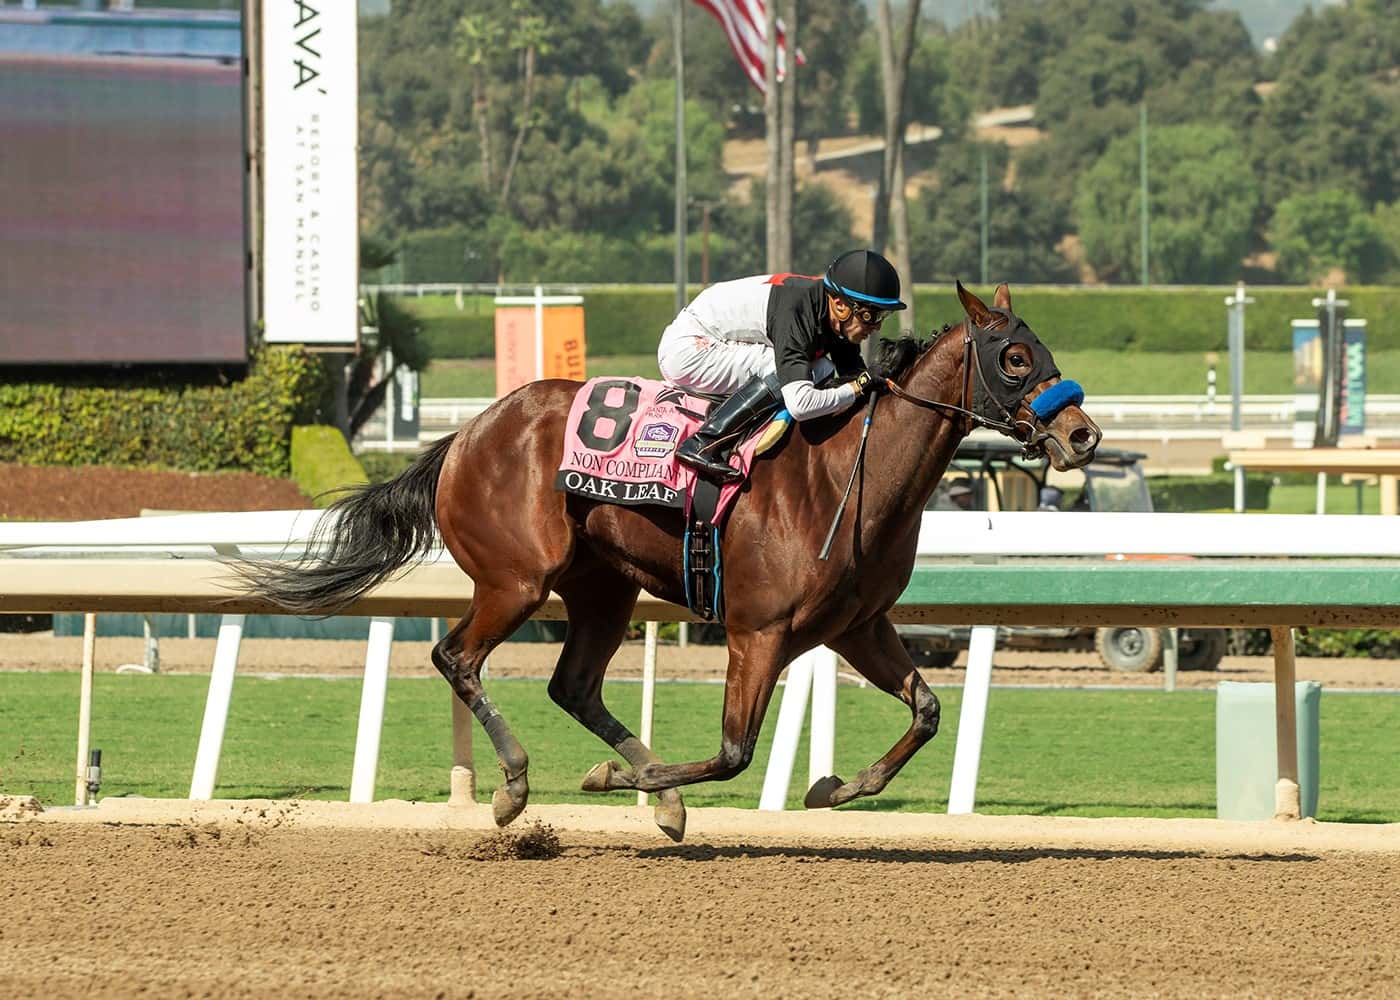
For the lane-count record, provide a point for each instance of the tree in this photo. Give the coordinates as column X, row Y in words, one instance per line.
column 1321, row 230
column 1387, row 220
column 1201, row 201
column 891, row 204
column 945, row 231
column 821, row 229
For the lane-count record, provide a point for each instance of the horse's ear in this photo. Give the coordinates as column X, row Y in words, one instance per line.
column 1002, row 298
column 974, row 307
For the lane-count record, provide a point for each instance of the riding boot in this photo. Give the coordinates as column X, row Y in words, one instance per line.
column 708, row 449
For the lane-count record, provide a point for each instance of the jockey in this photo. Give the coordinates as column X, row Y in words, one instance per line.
column 771, row 340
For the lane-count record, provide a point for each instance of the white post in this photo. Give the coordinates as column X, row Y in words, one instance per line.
column 211, row 734
column 1239, row 489
column 1171, row 646
column 462, row 787
column 381, row 637
column 788, row 732
column 152, row 658
column 967, row 756
column 648, row 690
column 1322, row 493
column 1287, row 801
column 822, row 734
column 85, row 707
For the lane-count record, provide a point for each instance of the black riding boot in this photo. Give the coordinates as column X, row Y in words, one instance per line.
column 708, row 449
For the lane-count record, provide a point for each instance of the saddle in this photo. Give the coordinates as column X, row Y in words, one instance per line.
column 620, row 447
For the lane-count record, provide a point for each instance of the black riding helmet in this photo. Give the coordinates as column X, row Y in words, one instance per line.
column 866, row 277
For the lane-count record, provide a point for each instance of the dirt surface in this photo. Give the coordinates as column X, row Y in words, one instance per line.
column 327, row 899
column 42, row 493
column 42, row 651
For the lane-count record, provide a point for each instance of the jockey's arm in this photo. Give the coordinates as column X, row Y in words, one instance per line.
column 805, row 401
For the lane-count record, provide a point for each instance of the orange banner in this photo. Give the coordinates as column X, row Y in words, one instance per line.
column 525, row 350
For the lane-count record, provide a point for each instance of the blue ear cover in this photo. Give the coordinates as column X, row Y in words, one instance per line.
column 1056, row 398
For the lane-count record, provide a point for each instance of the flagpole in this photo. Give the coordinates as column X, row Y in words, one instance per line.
column 770, row 128
column 680, row 154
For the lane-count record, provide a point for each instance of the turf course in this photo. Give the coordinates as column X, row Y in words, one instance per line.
column 1062, row 752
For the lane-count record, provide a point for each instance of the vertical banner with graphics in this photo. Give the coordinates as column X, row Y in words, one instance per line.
column 1353, row 378
column 539, row 336
column 310, row 203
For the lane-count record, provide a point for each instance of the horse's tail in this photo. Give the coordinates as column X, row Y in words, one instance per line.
column 361, row 540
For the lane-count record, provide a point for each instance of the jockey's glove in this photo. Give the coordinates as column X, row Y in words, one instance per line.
column 872, row 380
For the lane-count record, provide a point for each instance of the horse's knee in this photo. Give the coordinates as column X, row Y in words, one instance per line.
column 927, row 712
column 733, row 759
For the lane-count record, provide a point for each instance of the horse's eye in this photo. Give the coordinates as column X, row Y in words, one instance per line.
column 1015, row 361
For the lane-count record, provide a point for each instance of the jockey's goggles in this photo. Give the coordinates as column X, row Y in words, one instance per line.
column 868, row 315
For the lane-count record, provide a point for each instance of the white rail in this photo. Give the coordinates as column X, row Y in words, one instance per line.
column 943, row 535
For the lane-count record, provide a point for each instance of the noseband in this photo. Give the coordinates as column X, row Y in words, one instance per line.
column 1055, row 399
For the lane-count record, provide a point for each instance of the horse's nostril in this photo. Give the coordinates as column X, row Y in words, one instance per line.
column 1083, row 440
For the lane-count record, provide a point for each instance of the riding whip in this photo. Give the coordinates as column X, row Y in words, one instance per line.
column 860, row 455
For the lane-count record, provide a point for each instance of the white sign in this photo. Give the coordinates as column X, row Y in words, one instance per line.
column 310, row 204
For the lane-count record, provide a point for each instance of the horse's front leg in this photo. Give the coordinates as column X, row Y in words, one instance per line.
column 755, row 661
column 875, row 650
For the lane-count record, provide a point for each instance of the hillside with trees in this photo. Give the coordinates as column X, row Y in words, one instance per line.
column 520, row 140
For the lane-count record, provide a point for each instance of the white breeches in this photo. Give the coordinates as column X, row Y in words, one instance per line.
column 691, row 358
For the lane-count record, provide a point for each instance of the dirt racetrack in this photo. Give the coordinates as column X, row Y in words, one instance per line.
column 328, row 899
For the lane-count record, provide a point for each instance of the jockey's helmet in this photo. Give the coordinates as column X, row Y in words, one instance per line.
column 866, row 278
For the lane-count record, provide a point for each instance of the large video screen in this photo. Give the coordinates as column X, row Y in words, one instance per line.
column 122, row 236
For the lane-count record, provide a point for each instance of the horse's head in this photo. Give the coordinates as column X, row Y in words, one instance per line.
column 1009, row 381
column 1014, row 381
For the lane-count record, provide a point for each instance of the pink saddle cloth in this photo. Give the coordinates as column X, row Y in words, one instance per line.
column 620, row 444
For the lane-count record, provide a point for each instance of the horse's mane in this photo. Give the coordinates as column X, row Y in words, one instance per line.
column 896, row 357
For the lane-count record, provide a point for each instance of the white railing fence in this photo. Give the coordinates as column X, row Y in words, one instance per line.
column 811, row 677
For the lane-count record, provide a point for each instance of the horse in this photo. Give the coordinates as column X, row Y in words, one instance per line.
column 488, row 490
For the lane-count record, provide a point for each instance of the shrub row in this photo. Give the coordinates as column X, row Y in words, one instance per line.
column 322, row 463
column 1360, row 643
column 195, row 421
column 629, row 320
column 1176, row 494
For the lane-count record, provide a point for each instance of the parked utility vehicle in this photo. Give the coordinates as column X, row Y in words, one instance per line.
column 991, row 475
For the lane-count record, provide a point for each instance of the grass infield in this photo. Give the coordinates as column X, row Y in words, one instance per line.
column 1046, row 752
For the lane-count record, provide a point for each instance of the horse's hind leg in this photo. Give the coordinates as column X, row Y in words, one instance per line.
column 875, row 650
column 600, row 604
column 493, row 617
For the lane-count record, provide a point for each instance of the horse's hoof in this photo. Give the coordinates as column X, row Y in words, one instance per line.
column 822, row 794
column 508, row 801
column 670, row 814
column 607, row 777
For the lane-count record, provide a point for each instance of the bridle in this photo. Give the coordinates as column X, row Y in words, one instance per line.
column 1009, row 424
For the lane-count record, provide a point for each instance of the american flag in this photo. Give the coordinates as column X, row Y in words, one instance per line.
column 742, row 21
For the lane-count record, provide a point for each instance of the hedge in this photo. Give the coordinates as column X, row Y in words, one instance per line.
column 192, row 420
column 322, row 463
column 1176, row 494
column 629, row 320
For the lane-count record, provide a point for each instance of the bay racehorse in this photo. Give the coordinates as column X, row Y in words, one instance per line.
column 488, row 490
